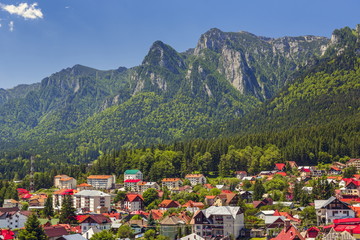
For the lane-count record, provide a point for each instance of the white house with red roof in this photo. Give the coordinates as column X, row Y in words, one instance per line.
column 133, row 202
column 98, row 221
column 196, row 179
column 64, row 182
column 101, row 181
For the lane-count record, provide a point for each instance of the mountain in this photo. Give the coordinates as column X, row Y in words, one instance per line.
column 78, row 111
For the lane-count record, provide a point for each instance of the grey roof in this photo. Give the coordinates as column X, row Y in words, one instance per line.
column 91, row 193
column 271, row 219
column 73, row 237
column 323, row 203
column 285, row 204
column 266, row 212
column 222, row 210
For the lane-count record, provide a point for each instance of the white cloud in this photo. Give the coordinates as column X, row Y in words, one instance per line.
column 24, row 10
column 11, row 26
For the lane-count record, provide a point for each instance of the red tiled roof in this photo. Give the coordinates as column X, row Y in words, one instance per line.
column 99, row 176
column 289, row 234
column 282, row 173
column 193, row 175
column 84, row 185
column 168, row 204
column 171, row 179
column 55, row 231
column 7, row 234
column 96, row 218
column 346, row 220
column 133, row 197
column 210, row 197
column 193, row 204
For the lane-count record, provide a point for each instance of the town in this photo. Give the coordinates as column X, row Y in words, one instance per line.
column 288, row 202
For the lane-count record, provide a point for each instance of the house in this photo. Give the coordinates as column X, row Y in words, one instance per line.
column 91, row 200
column 101, row 181
column 10, row 203
column 131, row 184
column 210, row 200
column 264, row 202
column 133, row 202
column 171, row 183
column 246, row 195
column 348, row 228
column 12, row 218
column 224, row 221
column 354, row 162
column 58, row 197
column 192, row 206
column 334, row 171
column 280, row 167
column 84, row 186
column 64, row 182
column 274, row 223
column 143, row 186
column 55, row 232
column 240, row 174
column 133, row 174
column 196, row 179
column 166, row 204
column 339, row 165
column 289, row 232
column 227, row 199
column 263, row 214
column 312, row 232
column 330, row 209
column 171, row 225
column 89, row 233
column 97, row 221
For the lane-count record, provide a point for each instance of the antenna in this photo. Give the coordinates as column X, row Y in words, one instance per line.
column 32, row 188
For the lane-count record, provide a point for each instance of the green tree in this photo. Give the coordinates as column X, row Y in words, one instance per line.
column 67, row 212
column 259, row 190
column 150, row 234
column 33, row 229
column 48, row 209
column 103, row 235
column 150, row 195
column 308, row 216
column 349, row 172
column 120, row 196
column 125, row 231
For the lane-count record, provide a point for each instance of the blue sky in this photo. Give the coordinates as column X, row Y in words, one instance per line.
column 41, row 37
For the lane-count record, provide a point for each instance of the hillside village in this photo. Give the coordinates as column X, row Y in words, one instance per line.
column 288, row 202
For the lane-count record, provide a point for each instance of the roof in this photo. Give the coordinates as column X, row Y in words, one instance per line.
column 132, row 171
column 157, row 214
column 73, row 237
column 55, row 231
column 168, row 204
column 64, row 192
column 222, row 210
column 335, row 168
column 241, row 172
column 84, row 185
column 323, row 203
column 347, row 220
column 281, row 173
column 7, row 234
column 133, row 197
column 66, row 179
column 289, row 234
column 99, row 176
column 96, row 218
column 132, row 180
column 193, row 204
column 171, row 179
column 210, row 197
column 91, row 193
column 171, row 220
column 272, row 219
column 280, row 166
column 194, row 175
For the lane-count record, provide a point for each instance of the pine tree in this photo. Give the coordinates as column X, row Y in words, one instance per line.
column 48, row 209
column 67, row 213
column 259, row 190
column 33, row 229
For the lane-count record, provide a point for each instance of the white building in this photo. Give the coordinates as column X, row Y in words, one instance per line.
column 143, row 186
column 101, row 181
column 64, row 182
column 12, row 218
column 171, row 183
column 133, row 174
column 196, row 179
column 218, row 221
column 91, row 200
column 333, row 208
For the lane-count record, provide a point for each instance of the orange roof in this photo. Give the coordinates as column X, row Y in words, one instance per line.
column 66, row 179
column 169, row 203
column 99, row 176
column 193, row 204
column 157, row 214
column 84, row 185
column 193, row 175
column 141, row 183
column 281, row 173
column 171, row 179
column 210, row 197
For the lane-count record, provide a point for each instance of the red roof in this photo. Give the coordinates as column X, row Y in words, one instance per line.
column 7, row 234
column 55, row 231
column 282, row 173
column 132, row 180
column 169, row 204
column 226, row 191
column 305, row 170
column 133, row 197
column 280, row 166
column 26, row 196
column 346, row 220
column 289, row 234
column 335, row 168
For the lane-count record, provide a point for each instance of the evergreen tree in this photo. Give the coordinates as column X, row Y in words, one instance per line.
column 259, row 190
column 103, row 235
column 33, row 229
column 67, row 213
column 48, row 209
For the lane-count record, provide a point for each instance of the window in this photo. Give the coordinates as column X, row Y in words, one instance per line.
column 346, row 213
column 335, row 213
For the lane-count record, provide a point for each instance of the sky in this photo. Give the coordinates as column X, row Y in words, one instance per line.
column 38, row 38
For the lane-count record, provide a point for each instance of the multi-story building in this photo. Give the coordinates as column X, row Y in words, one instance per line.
column 64, row 182
column 354, row 162
column 171, row 183
column 333, row 208
column 58, row 197
column 91, row 200
column 101, row 181
column 219, row 222
column 133, row 202
column 196, row 179
column 12, row 218
column 143, row 186
column 131, row 184
column 133, row 174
